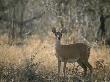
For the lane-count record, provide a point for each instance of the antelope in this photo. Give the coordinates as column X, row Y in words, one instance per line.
column 77, row 52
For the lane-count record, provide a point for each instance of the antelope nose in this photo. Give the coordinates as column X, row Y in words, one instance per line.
column 58, row 37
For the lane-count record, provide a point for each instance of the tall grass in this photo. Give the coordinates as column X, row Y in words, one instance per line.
column 35, row 61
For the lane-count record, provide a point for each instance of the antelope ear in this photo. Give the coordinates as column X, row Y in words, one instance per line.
column 54, row 30
column 64, row 30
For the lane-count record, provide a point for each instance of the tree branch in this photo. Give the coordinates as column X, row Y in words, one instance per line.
column 20, row 23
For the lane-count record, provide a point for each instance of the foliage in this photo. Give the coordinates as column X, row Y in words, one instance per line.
column 21, row 19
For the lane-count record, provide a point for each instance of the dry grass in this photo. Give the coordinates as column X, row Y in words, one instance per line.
column 38, row 55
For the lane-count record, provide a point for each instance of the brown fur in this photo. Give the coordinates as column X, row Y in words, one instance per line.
column 78, row 52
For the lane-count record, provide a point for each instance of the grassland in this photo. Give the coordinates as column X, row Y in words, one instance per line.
column 34, row 61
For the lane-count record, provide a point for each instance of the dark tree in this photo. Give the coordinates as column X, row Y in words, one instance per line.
column 102, row 29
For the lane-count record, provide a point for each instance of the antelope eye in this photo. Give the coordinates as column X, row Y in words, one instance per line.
column 55, row 34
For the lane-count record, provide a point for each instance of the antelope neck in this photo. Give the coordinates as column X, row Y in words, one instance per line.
column 58, row 43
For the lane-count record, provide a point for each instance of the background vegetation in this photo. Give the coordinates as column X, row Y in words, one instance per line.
column 27, row 43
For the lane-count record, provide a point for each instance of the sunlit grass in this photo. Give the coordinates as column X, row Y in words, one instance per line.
column 44, row 53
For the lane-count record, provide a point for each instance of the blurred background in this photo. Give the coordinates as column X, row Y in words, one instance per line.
column 27, row 44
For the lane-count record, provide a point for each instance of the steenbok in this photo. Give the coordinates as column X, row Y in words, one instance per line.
column 77, row 52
